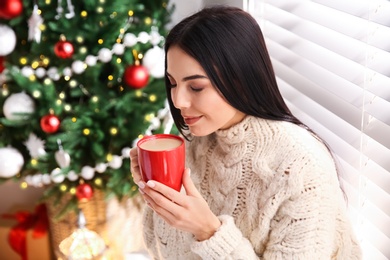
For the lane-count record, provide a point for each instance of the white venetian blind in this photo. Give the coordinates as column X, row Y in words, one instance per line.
column 332, row 61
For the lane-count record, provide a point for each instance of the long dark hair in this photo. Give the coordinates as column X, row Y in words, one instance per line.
column 229, row 45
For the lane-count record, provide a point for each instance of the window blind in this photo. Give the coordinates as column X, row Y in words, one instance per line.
column 332, row 61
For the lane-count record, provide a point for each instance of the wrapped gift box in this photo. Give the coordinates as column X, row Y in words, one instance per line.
column 37, row 248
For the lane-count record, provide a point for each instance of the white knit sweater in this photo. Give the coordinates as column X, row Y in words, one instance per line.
column 275, row 189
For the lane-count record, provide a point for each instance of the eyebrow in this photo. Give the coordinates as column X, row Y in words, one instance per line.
column 196, row 76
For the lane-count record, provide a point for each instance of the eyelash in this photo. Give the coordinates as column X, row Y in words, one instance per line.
column 192, row 88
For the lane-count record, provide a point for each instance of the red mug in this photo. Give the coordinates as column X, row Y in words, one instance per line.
column 161, row 157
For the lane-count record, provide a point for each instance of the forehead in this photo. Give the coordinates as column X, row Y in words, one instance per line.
column 180, row 64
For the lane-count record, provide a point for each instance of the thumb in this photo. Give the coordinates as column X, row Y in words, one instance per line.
column 189, row 185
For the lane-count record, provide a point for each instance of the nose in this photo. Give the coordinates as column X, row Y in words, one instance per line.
column 180, row 97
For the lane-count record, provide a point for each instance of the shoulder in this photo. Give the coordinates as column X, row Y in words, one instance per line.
column 290, row 146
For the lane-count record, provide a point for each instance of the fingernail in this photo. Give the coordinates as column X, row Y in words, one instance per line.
column 141, row 184
column 189, row 172
column 141, row 191
column 151, row 184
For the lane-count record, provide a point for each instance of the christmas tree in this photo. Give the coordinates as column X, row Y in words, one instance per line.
column 81, row 82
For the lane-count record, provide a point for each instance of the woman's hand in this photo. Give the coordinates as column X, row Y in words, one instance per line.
column 188, row 212
column 135, row 171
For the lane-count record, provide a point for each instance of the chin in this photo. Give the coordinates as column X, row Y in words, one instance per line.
column 200, row 132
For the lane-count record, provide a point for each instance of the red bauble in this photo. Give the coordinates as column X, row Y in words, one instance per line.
column 50, row 123
column 63, row 49
column 10, row 8
column 1, row 64
column 84, row 192
column 136, row 76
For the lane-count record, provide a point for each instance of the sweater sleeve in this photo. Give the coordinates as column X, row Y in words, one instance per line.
column 226, row 243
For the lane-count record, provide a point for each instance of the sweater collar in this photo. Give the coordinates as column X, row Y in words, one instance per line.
column 236, row 133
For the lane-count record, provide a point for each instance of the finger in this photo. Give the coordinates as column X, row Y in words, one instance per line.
column 133, row 152
column 188, row 184
column 160, row 204
column 163, row 193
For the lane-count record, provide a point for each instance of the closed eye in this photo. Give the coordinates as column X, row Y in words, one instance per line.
column 196, row 89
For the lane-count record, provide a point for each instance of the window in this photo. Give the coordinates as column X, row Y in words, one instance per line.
column 332, row 61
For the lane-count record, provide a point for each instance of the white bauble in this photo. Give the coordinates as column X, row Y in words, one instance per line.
column 18, row 103
column 153, row 61
column 27, row 71
column 118, row 49
column 155, row 38
column 143, row 37
column 116, row 162
column 87, row 172
column 105, row 55
column 155, row 123
column 53, row 73
column 36, row 180
column 72, row 176
column 101, row 167
column 7, row 40
column 91, row 60
column 130, row 40
column 67, row 72
column 57, row 176
column 46, row 179
column 126, row 152
column 11, row 162
column 40, row 72
column 78, row 67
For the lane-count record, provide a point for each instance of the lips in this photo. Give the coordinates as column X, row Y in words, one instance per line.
column 190, row 120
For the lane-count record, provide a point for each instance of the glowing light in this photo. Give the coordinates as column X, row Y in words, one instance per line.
column 152, row 98
column 109, row 157
column 5, row 92
column 95, row 99
column 32, row 78
column 113, row 130
column 35, row 65
column 61, row 95
column 100, row 41
column 148, row 20
column 83, row 50
column 84, row 14
column 45, row 61
column 63, row 187
column 47, row 81
column 98, row 181
column 110, row 77
column 74, row 119
column 24, row 185
column 66, row 78
column 86, row 131
column 140, row 136
column 36, row 94
column 79, row 39
column 138, row 93
column 58, row 102
column 72, row 190
column 99, row 9
column 34, row 162
column 149, row 117
column 67, row 107
column 130, row 12
column 119, row 60
column 73, row 83
column 23, row 61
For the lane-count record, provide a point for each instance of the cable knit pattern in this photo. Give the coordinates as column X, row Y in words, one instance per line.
column 275, row 189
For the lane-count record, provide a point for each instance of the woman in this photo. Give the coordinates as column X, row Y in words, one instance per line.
column 262, row 185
